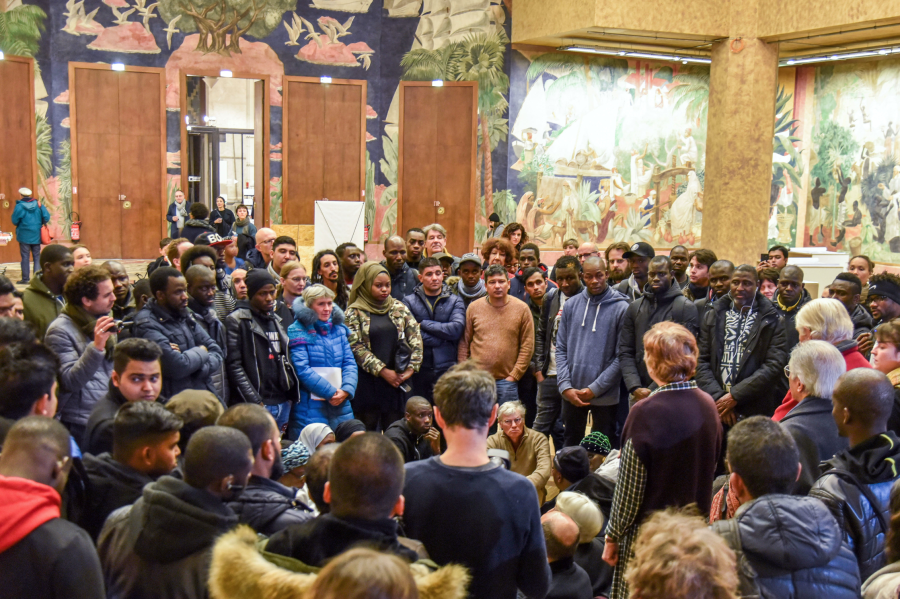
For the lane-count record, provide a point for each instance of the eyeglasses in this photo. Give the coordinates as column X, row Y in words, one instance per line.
column 516, row 421
column 787, row 371
column 588, row 254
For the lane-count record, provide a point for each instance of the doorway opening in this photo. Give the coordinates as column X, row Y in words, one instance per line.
column 224, row 142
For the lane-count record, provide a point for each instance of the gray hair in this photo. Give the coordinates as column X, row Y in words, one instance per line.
column 827, row 319
column 314, row 292
column 435, row 227
column 509, row 407
column 818, row 365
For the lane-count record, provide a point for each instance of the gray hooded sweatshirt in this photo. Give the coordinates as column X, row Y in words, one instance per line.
column 587, row 344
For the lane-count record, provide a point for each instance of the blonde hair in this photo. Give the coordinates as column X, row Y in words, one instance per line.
column 827, row 319
column 290, row 267
column 670, row 351
column 364, row 574
column 314, row 292
column 584, row 512
column 677, row 556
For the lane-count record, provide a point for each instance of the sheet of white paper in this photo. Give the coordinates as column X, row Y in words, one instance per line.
column 338, row 222
column 330, row 374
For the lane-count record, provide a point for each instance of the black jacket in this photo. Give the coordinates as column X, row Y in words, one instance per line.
column 252, row 361
column 194, row 227
column 255, row 259
column 160, row 547
column 412, row 447
column 792, row 337
column 873, row 464
column 111, row 485
column 441, row 328
column 543, row 333
column 98, row 435
column 267, row 506
column 862, row 321
column 569, row 581
column 794, row 548
column 758, row 386
column 207, row 318
column 812, row 426
column 192, row 366
column 590, row 557
column 404, row 282
column 517, row 283
column 640, row 317
column 316, row 541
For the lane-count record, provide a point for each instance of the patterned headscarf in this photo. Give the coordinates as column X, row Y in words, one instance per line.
column 295, row 456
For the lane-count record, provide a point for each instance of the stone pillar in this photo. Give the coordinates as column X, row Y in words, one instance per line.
column 740, row 127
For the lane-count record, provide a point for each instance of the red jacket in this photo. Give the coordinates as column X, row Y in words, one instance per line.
column 852, row 358
column 24, row 505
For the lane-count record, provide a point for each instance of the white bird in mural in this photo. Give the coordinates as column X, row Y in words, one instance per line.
column 294, row 30
column 313, row 34
column 344, row 28
column 171, row 30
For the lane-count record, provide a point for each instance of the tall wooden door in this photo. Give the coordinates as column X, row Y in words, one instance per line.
column 324, row 144
column 18, row 156
column 118, row 158
column 438, row 133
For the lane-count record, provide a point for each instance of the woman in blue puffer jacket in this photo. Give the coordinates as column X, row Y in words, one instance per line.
column 323, row 360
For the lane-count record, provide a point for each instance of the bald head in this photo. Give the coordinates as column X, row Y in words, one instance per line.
column 114, row 267
column 560, row 535
column 265, row 239
column 392, row 241
column 394, row 253
column 863, row 399
column 37, row 448
column 415, row 402
column 198, row 273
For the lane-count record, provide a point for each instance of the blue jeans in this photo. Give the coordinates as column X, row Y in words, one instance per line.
column 549, row 408
column 34, row 250
column 281, row 413
column 507, row 391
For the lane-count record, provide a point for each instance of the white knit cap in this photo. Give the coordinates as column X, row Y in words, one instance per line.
column 25, row 191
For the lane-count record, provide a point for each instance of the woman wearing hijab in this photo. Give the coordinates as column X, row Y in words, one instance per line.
column 324, row 362
column 316, row 435
column 387, row 344
column 222, row 218
column 347, row 429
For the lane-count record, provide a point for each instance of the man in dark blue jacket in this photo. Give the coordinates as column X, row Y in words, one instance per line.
column 442, row 318
column 404, row 278
column 189, row 355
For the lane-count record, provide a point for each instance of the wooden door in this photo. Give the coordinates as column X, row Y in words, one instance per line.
column 436, row 178
column 18, row 156
column 118, row 158
column 324, row 143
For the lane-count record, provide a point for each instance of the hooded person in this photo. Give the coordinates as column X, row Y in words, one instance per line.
column 316, row 435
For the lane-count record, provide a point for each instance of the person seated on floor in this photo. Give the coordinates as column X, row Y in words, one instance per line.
column 415, row 435
column 589, row 554
column 197, row 409
column 569, row 580
column 42, row 556
column 266, row 505
column 363, row 491
column 317, row 469
column 160, row 546
column 145, row 447
column 529, row 450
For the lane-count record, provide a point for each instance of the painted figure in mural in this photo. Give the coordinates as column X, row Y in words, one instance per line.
column 640, row 175
column 684, row 208
column 689, row 151
column 777, row 228
column 814, row 221
column 841, row 215
column 648, row 205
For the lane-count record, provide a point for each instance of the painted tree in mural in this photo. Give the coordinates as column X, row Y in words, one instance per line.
column 222, row 23
column 692, row 93
column 20, row 28
column 477, row 58
column 592, row 75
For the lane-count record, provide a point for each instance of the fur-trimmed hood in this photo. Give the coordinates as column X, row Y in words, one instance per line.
column 307, row 317
column 240, row 571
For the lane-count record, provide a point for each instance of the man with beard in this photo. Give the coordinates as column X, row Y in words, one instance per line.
column 884, row 297
column 680, row 260
column 266, row 505
column 124, row 305
column 619, row 269
column 415, row 246
column 189, row 355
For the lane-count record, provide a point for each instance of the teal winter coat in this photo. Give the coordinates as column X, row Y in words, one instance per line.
column 28, row 218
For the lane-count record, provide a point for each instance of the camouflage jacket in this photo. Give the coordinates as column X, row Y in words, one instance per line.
column 407, row 328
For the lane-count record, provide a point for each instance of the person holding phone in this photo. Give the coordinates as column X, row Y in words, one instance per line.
column 83, row 337
column 387, row 343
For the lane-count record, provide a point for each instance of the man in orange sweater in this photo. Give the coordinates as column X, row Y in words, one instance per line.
column 499, row 334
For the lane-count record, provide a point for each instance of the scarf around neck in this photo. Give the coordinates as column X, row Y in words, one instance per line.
column 471, row 293
column 242, row 222
column 86, row 322
column 361, row 292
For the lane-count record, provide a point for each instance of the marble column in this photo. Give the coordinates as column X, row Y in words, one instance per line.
column 742, row 89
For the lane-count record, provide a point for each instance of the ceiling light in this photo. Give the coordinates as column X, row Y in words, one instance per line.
column 325, row 79
column 117, row 66
column 225, row 73
column 591, row 50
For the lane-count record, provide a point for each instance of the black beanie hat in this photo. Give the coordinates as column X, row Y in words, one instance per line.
column 256, row 280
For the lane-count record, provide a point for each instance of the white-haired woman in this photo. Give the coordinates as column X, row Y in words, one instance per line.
column 813, row 371
column 529, row 450
column 588, row 555
column 825, row 319
column 323, row 360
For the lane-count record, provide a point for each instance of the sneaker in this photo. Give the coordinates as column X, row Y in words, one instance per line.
column 21, row 282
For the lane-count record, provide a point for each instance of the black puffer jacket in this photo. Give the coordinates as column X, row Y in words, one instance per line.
column 252, row 361
column 192, row 366
column 794, row 547
column 160, row 547
column 111, row 485
column 873, row 463
column 267, row 506
column 640, row 317
column 758, row 385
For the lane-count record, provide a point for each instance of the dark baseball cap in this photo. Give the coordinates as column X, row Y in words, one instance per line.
column 470, row 257
column 642, row 249
column 213, row 239
column 573, row 463
column 443, row 256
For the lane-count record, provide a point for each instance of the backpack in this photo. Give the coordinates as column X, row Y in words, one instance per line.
column 748, row 586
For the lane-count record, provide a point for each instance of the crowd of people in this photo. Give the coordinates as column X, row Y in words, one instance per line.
column 233, row 425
